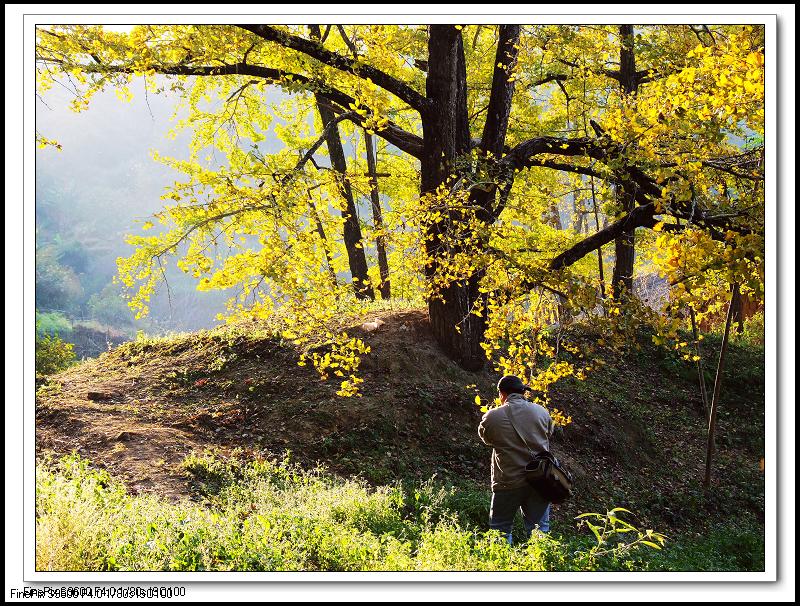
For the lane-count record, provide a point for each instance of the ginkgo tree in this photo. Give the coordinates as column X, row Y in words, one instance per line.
column 487, row 132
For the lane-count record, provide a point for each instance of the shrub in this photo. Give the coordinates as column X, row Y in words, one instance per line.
column 52, row 323
column 753, row 330
column 52, row 354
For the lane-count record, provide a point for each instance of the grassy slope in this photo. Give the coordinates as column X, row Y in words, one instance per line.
column 637, row 439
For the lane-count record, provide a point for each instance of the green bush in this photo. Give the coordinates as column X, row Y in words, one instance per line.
column 52, row 354
column 731, row 546
column 52, row 323
column 753, row 330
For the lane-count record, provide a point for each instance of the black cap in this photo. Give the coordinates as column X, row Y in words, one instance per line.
column 512, row 384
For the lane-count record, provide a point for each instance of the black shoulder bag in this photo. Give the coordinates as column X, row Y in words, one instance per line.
column 544, row 472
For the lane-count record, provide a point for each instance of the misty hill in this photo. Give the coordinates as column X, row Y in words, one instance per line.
column 98, row 188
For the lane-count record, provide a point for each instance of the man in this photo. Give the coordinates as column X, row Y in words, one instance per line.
column 510, row 491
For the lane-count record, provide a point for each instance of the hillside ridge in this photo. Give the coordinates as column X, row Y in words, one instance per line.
column 139, row 409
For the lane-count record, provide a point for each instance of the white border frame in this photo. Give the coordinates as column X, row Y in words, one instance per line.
column 505, row 13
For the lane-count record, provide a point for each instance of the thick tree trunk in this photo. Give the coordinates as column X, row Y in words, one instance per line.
column 625, row 253
column 458, row 331
column 352, row 230
column 377, row 217
column 622, row 280
column 445, row 137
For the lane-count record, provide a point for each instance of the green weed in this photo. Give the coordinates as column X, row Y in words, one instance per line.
column 269, row 515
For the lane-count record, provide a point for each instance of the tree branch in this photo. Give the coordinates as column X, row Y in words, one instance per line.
column 641, row 76
column 403, row 140
column 494, row 130
column 321, row 139
column 550, row 78
column 641, row 216
column 613, row 74
column 315, row 50
column 347, row 41
column 602, row 149
column 324, row 35
column 570, row 168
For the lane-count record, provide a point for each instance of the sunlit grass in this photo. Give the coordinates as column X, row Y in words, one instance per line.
column 266, row 515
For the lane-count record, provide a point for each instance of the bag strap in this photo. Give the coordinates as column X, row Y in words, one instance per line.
column 511, row 419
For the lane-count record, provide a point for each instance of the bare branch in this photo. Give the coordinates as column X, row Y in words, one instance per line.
column 347, row 40
column 325, row 132
column 240, row 90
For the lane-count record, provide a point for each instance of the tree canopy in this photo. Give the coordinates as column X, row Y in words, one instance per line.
column 507, row 158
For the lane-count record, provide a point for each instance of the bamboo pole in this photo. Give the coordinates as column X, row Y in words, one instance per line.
column 712, row 418
column 700, row 372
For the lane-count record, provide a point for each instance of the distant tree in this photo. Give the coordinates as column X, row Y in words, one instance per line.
column 57, row 285
column 109, row 307
column 72, row 254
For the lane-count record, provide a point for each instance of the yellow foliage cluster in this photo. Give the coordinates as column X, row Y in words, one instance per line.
column 342, row 360
column 520, row 344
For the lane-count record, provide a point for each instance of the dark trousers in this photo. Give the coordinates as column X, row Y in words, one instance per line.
column 505, row 503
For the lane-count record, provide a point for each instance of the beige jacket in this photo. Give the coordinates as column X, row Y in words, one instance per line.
column 510, row 455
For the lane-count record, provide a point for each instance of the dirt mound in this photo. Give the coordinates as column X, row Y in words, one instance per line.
column 210, row 390
column 139, row 409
